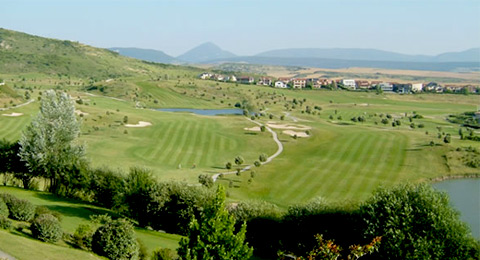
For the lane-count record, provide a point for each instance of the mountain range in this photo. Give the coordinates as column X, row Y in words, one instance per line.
column 205, row 53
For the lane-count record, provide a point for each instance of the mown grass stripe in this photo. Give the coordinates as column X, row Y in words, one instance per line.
column 180, row 145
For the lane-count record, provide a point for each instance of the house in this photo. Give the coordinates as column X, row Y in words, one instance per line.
column 205, row 75
column 386, row 87
column 299, row 83
column 246, row 80
column 285, row 80
column 233, row 78
column 417, row 87
column 218, row 77
column 373, row 84
column 402, row 88
column 280, row 84
column 264, row 81
column 362, row 84
column 349, row 83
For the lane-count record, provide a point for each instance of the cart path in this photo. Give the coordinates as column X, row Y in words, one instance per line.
column 269, row 159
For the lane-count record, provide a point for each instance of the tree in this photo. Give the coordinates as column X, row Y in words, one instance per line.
column 48, row 144
column 447, row 139
column 11, row 162
column 205, row 180
column 239, row 160
column 417, row 222
column 213, row 237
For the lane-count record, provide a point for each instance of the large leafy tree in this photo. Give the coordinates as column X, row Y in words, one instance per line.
column 48, row 144
column 10, row 162
column 417, row 222
column 213, row 235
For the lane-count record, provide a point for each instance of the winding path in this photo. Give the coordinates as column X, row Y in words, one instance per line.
column 17, row 106
column 4, row 255
column 269, row 159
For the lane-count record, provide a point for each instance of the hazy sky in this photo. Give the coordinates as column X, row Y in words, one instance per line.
column 247, row 27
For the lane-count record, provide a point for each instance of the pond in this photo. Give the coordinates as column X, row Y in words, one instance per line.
column 205, row 112
column 465, row 197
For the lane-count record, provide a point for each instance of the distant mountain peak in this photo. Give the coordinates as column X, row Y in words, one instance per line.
column 205, row 52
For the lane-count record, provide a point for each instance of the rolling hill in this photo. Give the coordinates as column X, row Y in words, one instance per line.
column 24, row 53
column 145, row 54
column 471, row 55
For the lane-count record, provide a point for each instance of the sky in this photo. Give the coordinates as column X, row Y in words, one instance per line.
column 248, row 27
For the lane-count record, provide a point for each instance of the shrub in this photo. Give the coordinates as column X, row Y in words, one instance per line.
column 164, row 254
column 116, row 240
column 263, row 157
column 228, row 165
column 44, row 210
column 5, row 223
column 47, row 228
column 83, row 236
column 3, row 209
column 257, row 164
column 21, row 210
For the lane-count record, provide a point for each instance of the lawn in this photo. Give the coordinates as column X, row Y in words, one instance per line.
column 75, row 213
column 341, row 160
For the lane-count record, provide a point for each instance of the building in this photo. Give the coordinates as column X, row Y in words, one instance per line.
column 245, row 80
column 349, row 83
column 299, row 83
column 386, row 87
column 402, row 88
column 417, row 87
column 280, row 84
column 362, row 84
column 285, row 80
column 264, row 81
column 374, row 83
column 205, row 75
column 233, row 78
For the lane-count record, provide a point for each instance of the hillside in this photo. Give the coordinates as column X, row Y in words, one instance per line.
column 145, row 54
column 24, row 53
column 205, row 52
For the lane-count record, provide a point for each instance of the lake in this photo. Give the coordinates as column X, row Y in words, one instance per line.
column 465, row 197
column 205, row 112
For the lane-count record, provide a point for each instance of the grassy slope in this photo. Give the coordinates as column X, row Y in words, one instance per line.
column 26, row 248
column 75, row 213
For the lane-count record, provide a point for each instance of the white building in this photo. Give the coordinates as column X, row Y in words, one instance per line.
column 280, row 84
column 205, row 75
column 417, row 87
column 386, row 87
column 349, row 83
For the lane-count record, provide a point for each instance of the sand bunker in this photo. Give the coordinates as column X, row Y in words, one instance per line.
column 293, row 133
column 12, row 114
column 78, row 112
column 140, row 124
column 255, row 128
column 285, row 126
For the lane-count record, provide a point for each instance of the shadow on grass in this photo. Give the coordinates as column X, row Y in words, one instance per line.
column 80, row 211
column 249, row 133
column 76, row 208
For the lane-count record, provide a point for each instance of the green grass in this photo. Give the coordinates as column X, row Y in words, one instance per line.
column 341, row 161
column 26, row 248
column 75, row 213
